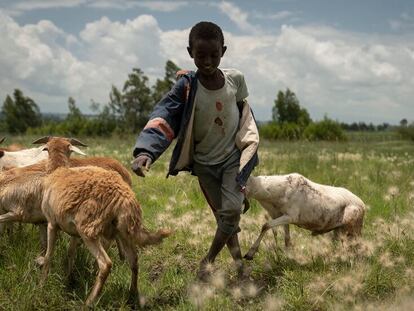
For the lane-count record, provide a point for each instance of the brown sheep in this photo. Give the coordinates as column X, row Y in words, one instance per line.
column 95, row 205
column 21, row 195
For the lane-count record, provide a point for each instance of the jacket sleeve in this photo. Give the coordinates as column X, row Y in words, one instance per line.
column 164, row 122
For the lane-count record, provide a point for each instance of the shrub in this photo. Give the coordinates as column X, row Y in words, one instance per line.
column 326, row 129
column 283, row 131
column 407, row 131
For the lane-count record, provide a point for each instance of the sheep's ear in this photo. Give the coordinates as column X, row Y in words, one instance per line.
column 77, row 150
column 42, row 140
column 40, row 150
column 76, row 142
column 2, row 140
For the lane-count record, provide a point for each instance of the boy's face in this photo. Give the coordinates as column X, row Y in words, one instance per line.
column 207, row 55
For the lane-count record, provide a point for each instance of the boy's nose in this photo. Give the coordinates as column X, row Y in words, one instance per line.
column 207, row 62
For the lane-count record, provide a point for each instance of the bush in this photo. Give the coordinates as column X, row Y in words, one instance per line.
column 283, row 131
column 407, row 132
column 326, row 129
column 86, row 127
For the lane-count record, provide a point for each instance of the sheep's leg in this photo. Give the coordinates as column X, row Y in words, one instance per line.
column 354, row 220
column 130, row 252
column 73, row 245
column 121, row 251
column 43, row 238
column 6, row 218
column 288, row 243
column 45, row 261
column 9, row 217
column 274, row 230
column 283, row 220
column 104, row 264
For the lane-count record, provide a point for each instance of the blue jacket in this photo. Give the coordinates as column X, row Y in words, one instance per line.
column 173, row 118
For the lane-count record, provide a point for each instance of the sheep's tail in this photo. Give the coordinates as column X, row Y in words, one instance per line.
column 146, row 237
column 130, row 226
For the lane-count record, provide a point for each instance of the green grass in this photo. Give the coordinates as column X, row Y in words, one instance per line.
column 316, row 274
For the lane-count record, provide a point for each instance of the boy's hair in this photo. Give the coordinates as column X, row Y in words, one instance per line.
column 206, row 31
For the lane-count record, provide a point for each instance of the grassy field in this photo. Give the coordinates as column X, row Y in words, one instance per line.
column 315, row 274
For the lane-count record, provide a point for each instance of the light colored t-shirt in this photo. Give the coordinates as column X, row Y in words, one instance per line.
column 216, row 118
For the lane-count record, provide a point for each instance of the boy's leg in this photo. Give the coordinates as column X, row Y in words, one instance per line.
column 232, row 203
column 222, row 191
column 228, row 213
column 209, row 178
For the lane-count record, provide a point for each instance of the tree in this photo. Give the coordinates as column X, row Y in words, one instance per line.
column 404, row 123
column 21, row 113
column 161, row 87
column 132, row 106
column 287, row 109
column 74, row 112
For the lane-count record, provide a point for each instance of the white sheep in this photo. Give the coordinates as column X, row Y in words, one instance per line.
column 25, row 157
column 95, row 205
column 294, row 199
column 12, row 147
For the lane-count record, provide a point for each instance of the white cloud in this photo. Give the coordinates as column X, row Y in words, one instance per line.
column 404, row 22
column 281, row 15
column 351, row 77
column 46, row 4
column 236, row 15
column 161, row 6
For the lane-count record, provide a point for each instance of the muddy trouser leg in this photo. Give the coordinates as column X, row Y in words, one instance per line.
column 219, row 185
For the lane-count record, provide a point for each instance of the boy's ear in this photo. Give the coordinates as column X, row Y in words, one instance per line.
column 190, row 52
column 223, row 50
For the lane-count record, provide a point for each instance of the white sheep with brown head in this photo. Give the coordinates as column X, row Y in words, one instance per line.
column 294, row 199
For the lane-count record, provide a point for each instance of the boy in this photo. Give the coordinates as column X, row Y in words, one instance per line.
column 217, row 137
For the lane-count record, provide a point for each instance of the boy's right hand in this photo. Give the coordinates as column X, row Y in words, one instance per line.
column 141, row 164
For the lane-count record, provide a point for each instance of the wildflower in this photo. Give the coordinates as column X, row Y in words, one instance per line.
column 273, row 303
column 236, row 292
column 393, row 191
column 252, row 290
column 386, row 261
column 199, row 294
column 218, row 280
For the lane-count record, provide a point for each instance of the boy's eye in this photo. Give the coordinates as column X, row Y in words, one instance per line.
column 215, row 55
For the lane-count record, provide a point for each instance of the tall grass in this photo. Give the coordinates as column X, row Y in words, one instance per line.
column 315, row 274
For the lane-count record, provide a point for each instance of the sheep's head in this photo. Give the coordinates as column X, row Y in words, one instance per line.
column 60, row 145
column 1, row 150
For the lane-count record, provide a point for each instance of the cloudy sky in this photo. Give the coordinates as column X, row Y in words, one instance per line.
column 351, row 60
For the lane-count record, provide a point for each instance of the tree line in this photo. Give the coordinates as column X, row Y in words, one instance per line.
column 128, row 109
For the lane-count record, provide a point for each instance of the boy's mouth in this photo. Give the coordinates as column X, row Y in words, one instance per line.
column 208, row 69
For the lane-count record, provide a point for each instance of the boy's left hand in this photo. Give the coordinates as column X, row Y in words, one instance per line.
column 141, row 164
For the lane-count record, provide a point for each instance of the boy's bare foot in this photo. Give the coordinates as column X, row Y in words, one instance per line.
column 243, row 271
column 205, row 271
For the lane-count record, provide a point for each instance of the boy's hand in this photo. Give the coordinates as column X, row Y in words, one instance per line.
column 141, row 164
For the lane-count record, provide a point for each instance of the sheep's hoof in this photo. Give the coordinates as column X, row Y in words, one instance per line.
column 248, row 256
column 133, row 301
column 40, row 261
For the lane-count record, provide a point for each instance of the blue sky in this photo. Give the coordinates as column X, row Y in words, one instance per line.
column 352, row 60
